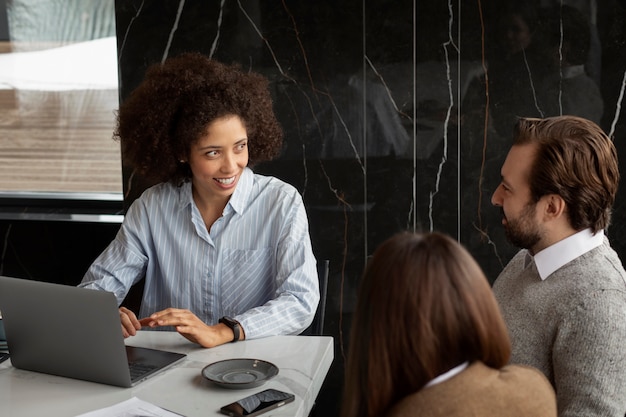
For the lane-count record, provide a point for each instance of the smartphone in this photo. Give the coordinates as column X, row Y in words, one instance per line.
column 258, row 403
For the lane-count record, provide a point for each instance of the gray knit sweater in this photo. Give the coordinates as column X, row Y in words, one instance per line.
column 572, row 327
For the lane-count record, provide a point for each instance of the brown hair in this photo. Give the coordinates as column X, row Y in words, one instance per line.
column 424, row 307
column 177, row 100
column 576, row 160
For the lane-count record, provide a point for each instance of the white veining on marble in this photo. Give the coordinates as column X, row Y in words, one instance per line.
column 181, row 6
column 444, row 158
column 347, row 130
column 479, row 226
column 130, row 25
column 618, row 106
column 491, row 243
column 387, row 89
column 531, row 83
column 219, row 29
column 264, row 39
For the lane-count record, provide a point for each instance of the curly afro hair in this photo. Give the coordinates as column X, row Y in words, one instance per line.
column 177, row 100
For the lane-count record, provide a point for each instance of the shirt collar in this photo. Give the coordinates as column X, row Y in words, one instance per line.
column 555, row 256
column 447, row 375
column 239, row 200
column 185, row 196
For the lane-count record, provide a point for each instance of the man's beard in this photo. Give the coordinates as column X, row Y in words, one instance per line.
column 522, row 231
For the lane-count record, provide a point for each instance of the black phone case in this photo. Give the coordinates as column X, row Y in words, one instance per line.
column 228, row 409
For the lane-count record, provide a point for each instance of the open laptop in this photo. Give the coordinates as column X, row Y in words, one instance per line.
column 73, row 332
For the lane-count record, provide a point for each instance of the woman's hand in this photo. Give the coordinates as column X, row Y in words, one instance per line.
column 190, row 327
column 130, row 324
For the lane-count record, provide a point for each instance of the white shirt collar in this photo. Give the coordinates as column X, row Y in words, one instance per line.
column 555, row 256
column 239, row 199
column 447, row 375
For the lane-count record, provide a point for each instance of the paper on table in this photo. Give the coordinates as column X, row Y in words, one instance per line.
column 133, row 407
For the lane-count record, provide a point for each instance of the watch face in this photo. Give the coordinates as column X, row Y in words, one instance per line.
column 228, row 321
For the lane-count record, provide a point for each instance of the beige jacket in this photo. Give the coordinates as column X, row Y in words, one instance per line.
column 480, row 391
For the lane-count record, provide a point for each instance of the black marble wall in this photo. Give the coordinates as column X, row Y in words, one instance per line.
column 397, row 114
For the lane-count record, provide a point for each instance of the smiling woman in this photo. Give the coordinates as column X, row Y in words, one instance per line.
column 58, row 94
column 217, row 161
column 225, row 252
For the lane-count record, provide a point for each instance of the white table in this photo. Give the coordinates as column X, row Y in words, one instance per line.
column 303, row 363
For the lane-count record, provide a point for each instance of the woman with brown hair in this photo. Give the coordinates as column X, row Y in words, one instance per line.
column 225, row 252
column 428, row 339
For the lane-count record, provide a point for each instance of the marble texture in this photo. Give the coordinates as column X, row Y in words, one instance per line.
column 397, row 114
column 385, row 105
column 302, row 362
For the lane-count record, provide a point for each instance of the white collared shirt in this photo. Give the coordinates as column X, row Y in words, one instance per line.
column 447, row 375
column 555, row 256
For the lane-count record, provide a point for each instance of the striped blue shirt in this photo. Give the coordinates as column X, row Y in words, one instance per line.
column 255, row 265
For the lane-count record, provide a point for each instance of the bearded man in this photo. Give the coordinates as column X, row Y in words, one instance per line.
column 563, row 296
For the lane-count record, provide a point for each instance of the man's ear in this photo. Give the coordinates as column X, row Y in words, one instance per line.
column 555, row 206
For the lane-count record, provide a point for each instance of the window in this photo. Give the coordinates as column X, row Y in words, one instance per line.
column 58, row 95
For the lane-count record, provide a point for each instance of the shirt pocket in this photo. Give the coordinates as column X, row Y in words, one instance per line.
column 247, row 279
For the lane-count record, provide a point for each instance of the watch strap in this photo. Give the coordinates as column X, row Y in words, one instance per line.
column 233, row 325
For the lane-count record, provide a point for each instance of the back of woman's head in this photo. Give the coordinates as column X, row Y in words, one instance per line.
column 424, row 307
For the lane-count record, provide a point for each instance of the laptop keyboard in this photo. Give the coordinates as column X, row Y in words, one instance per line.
column 137, row 369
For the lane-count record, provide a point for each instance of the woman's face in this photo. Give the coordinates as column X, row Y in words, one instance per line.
column 218, row 158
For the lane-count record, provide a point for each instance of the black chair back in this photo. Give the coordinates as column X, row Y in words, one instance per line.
column 317, row 326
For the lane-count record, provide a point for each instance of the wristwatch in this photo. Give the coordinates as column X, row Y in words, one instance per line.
column 234, row 326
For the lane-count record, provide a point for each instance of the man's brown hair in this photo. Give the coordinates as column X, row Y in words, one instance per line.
column 576, row 160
